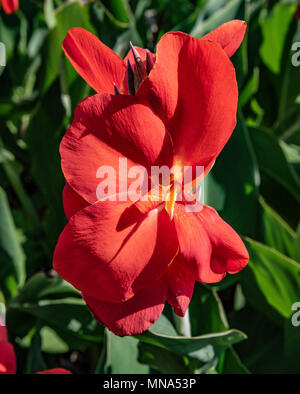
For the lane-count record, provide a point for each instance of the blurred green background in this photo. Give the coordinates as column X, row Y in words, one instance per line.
column 240, row 325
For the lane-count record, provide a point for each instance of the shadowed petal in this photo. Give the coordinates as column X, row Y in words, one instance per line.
column 209, row 244
column 180, row 285
column 111, row 250
column 133, row 316
column 72, row 201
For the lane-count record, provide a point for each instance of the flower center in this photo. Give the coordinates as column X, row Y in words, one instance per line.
column 136, row 73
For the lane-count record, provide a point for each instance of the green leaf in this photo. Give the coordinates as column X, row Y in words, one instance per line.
column 225, row 14
column 277, row 276
column 71, row 14
column 203, row 348
column 274, row 164
column 296, row 252
column 42, row 287
column 276, row 232
column 43, row 138
column 70, row 318
column 114, row 361
column 162, row 360
column 35, row 362
column 275, row 27
column 263, row 350
column 12, row 258
column 206, row 312
column 231, row 363
column 292, row 343
column 5, row 155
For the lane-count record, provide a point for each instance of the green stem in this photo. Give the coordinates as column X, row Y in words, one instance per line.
column 182, row 324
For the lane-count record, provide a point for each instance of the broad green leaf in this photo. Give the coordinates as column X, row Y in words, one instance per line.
column 69, row 15
column 276, row 232
column 50, row 341
column 121, row 355
column 11, row 252
column 206, row 312
column 203, row 348
column 162, row 360
column 277, row 276
column 42, row 287
column 43, row 138
column 231, row 363
column 263, row 350
column 292, row 341
column 230, row 11
column 68, row 317
column 274, row 164
column 35, row 362
column 275, row 28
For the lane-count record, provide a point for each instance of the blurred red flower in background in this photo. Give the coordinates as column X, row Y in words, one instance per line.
column 8, row 364
column 10, row 6
column 128, row 258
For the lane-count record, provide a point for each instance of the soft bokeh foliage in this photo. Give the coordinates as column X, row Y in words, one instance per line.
column 254, row 185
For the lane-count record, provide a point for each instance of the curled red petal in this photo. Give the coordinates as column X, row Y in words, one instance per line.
column 111, row 250
column 209, row 244
column 98, row 65
column 229, row 252
column 133, row 316
column 193, row 88
column 10, row 6
column 229, row 35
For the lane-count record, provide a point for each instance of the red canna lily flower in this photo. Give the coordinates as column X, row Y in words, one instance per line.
column 127, row 258
column 8, row 364
column 10, row 6
column 102, row 68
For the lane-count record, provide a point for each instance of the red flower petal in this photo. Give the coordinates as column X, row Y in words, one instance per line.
column 105, row 129
column 10, row 6
column 193, row 88
column 56, row 371
column 210, row 245
column 229, row 35
column 133, row 316
column 72, row 201
column 180, row 285
column 110, row 250
column 7, row 359
column 98, row 65
column 229, row 252
column 3, row 334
